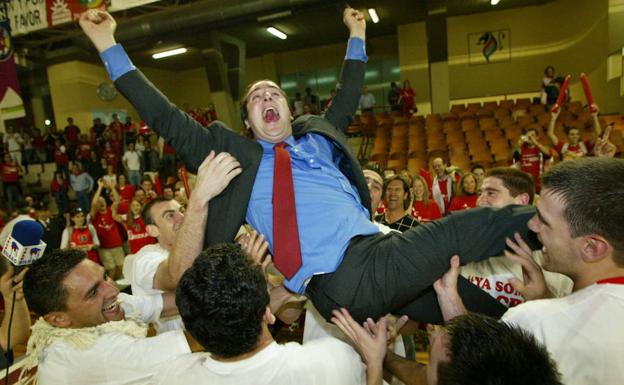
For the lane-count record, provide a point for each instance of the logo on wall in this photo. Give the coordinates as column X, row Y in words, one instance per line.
column 489, row 47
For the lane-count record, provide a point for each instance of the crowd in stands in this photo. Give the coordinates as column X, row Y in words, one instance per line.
column 446, row 193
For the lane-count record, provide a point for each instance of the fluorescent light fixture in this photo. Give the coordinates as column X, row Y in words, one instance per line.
column 171, row 52
column 277, row 33
column 373, row 15
column 494, row 2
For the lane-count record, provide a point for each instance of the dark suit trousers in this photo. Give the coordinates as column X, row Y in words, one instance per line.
column 393, row 273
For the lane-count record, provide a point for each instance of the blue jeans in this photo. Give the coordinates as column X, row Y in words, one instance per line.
column 134, row 177
column 83, row 200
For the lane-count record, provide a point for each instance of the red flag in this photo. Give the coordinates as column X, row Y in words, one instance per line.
column 9, row 85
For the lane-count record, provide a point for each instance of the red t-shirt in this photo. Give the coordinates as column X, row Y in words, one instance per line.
column 532, row 161
column 111, row 157
column 82, row 237
column 117, row 129
column 60, row 156
column 463, row 202
column 579, row 150
column 72, row 134
column 426, row 213
column 84, row 150
column 10, row 173
column 107, row 229
column 138, row 236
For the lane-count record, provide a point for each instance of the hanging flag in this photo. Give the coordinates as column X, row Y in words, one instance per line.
column 65, row 11
column 26, row 16
column 9, row 85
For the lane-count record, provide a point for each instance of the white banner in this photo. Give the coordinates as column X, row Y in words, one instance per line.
column 27, row 16
column 118, row 5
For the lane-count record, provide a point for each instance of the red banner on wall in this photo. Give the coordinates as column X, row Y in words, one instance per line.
column 65, row 11
column 9, row 85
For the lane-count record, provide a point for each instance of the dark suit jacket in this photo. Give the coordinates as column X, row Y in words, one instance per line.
column 193, row 143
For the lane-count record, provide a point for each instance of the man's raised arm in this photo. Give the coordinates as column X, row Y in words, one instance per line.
column 213, row 176
column 348, row 89
column 191, row 140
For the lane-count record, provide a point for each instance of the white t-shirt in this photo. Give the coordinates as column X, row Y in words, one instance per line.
column 116, row 358
column 140, row 269
column 321, row 362
column 493, row 274
column 133, row 160
column 583, row 332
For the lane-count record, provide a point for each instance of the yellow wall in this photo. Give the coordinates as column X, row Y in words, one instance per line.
column 274, row 65
column 571, row 35
column 73, row 89
column 414, row 62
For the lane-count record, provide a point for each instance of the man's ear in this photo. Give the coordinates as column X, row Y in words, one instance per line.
column 152, row 230
column 595, row 248
column 522, row 199
column 268, row 316
column 58, row 319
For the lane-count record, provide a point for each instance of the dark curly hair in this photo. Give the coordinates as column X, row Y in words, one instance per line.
column 484, row 350
column 222, row 299
column 43, row 283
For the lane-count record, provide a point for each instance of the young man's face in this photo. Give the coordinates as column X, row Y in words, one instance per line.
column 396, row 195
column 495, row 194
column 168, row 217
column 91, row 296
column 560, row 249
column 268, row 114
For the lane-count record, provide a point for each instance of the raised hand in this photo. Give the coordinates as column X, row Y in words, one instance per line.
column 256, row 246
column 533, row 285
column 370, row 341
column 604, row 148
column 445, row 287
column 10, row 283
column 215, row 174
column 355, row 21
column 99, row 26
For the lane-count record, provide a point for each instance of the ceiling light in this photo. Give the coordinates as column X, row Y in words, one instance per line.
column 373, row 15
column 277, row 33
column 171, row 52
column 494, row 2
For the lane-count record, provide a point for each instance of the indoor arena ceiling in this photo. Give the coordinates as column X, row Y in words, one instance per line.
column 156, row 26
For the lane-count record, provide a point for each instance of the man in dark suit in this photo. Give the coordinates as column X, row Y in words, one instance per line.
column 343, row 260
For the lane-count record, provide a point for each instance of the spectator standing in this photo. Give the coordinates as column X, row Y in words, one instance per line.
column 529, row 156
column 574, row 147
column 406, row 98
column 81, row 235
column 72, row 137
column 59, row 189
column 61, row 158
column 367, row 101
column 82, row 184
column 11, row 174
column 13, row 141
column 393, row 97
column 132, row 164
column 110, row 251
column 126, row 194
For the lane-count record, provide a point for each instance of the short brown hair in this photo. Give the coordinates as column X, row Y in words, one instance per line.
column 514, row 180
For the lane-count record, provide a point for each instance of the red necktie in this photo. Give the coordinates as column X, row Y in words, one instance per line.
column 286, row 248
